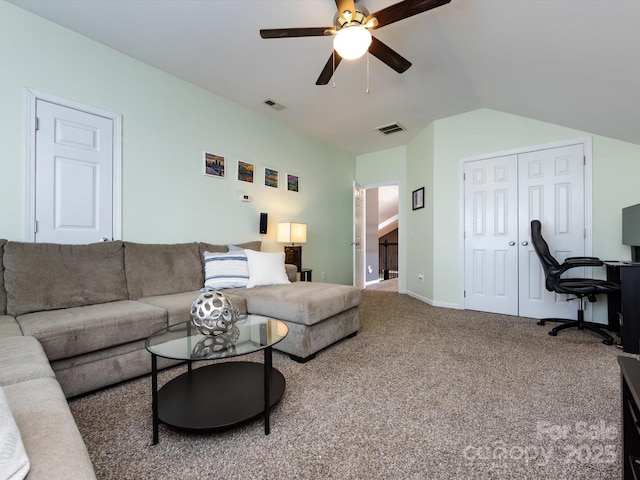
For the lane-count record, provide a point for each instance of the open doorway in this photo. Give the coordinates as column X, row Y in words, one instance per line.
column 381, row 241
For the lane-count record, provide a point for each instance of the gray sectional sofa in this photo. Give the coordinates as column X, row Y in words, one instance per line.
column 74, row 318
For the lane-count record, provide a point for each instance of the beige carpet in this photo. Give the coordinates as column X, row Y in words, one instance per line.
column 419, row 393
column 385, row 285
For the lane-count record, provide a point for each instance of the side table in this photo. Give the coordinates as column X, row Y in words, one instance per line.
column 305, row 274
column 220, row 395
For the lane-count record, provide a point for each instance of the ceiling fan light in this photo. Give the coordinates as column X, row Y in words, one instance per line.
column 352, row 42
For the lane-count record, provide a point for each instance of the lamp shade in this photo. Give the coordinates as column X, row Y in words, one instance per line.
column 352, row 42
column 290, row 232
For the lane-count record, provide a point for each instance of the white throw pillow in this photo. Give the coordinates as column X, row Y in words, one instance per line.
column 14, row 463
column 266, row 269
column 225, row 270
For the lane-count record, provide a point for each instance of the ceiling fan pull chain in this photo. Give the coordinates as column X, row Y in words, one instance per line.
column 333, row 82
column 367, row 90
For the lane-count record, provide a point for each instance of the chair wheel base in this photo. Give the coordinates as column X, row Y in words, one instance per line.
column 553, row 333
column 608, row 341
column 540, row 322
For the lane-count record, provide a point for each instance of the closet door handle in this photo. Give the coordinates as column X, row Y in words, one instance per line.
column 511, row 244
column 525, row 243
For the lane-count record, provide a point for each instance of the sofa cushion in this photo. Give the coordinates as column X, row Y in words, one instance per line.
column 178, row 305
column 225, row 270
column 74, row 331
column 301, row 302
column 161, row 269
column 3, row 293
column 212, row 247
column 255, row 245
column 266, row 269
column 14, row 463
column 292, row 272
column 46, row 276
column 49, row 433
column 22, row 358
column 9, row 327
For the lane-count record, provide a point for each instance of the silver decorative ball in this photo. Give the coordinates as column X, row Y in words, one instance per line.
column 212, row 313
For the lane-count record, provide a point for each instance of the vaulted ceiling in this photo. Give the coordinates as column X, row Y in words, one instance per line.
column 571, row 62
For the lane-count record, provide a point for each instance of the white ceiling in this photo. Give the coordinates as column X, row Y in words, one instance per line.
column 571, row 62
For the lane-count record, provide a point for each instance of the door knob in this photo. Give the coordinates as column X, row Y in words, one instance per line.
column 104, row 239
column 511, row 244
column 525, row 243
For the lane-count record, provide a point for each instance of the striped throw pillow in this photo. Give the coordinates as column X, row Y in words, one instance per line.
column 225, row 270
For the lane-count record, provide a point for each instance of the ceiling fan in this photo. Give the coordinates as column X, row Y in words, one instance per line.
column 352, row 25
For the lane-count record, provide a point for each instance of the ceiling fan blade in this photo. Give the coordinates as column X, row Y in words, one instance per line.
column 389, row 56
column 343, row 6
column 294, row 32
column 403, row 10
column 329, row 68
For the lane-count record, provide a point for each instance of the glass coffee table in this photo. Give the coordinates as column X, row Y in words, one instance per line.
column 223, row 394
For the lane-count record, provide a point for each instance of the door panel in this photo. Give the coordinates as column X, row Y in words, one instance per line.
column 73, row 175
column 551, row 185
column 358, row 235
column 491, row 265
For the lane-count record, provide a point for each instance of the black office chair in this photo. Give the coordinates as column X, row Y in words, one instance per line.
column 581, row 288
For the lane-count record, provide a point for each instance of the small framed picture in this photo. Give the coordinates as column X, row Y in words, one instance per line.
column 417, row 199
column 214, row 165
column 292, row 182
column 245, row 171
column 270, row 177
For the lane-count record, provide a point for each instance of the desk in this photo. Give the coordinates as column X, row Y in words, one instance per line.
column 624, row 307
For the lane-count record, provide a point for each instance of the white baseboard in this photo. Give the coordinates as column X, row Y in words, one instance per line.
column 454, row 306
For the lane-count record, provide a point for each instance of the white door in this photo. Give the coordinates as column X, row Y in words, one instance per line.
column 73, row 175
column 491, row 235
column 502, row 196
column 358, row 235
column 551, row 189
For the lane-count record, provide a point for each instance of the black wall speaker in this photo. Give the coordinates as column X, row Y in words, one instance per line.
column 263, row 223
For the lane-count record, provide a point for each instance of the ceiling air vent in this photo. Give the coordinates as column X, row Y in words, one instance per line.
column 391, row 128
column 274, row 105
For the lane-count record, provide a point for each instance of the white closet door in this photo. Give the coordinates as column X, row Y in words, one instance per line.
column 551, row 189
column 491, row 235
column 501, row 196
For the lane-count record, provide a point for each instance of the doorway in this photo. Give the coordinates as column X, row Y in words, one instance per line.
column 382, row 222
column 502, row 194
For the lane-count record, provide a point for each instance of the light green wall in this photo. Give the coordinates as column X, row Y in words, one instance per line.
column 167, row 125
column 616, row 169
column 420, row 236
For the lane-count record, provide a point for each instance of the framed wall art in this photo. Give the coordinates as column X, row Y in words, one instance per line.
column 417, row 199
column 214, row 165
column 270, row 177
column 245, row 171
column 292, row 182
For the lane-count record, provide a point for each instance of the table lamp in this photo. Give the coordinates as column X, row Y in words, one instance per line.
column 293, row 233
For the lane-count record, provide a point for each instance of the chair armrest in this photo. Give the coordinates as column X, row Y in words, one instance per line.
column 584, row 261
column 576, row 262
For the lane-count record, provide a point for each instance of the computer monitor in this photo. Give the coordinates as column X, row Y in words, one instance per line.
column 631, row 230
